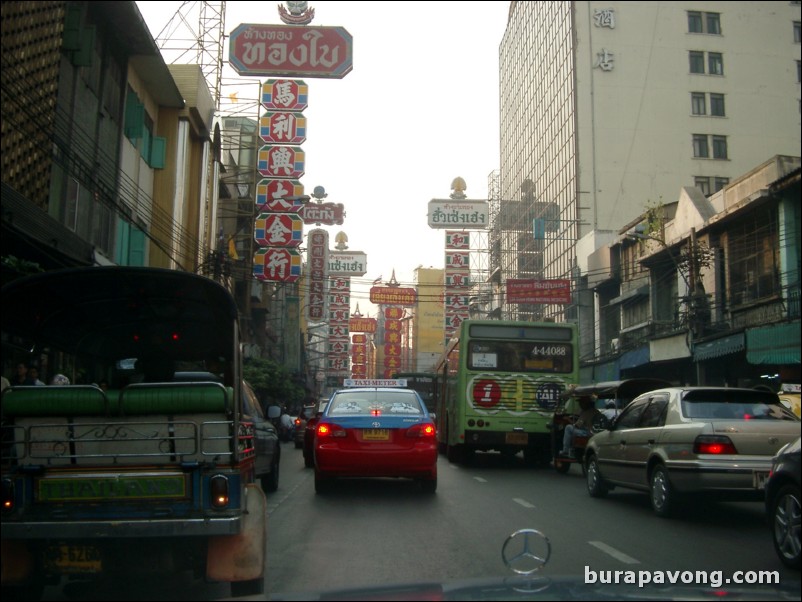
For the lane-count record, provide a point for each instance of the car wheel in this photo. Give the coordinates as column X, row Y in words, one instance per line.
column 322, row 484
column 429, row 485
column 299, row 444
column 785, row 521
column 663, row 496
column 561, row 466
column 596, row 485
column 253, row 587
column 270, row 480
column 309, row 462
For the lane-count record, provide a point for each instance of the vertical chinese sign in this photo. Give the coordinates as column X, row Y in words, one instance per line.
column 456, row 216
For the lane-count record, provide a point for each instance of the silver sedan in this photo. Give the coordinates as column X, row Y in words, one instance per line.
column 678, row 441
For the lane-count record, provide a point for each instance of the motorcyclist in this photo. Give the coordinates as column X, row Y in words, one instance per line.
column 286, row 425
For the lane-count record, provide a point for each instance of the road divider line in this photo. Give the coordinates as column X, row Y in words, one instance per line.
column 480, row 479
column 523, row 503
column 613, row 552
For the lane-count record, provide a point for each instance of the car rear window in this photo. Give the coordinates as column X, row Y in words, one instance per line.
column 733, row 405
column 367, row 403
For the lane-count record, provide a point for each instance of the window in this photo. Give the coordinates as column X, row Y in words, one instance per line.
column 697, row 60
column 713, row 22
column 715, row 63
column 703, row 184
column 719, row 147
column 710, row 184
column 700, row 149
column 717, row 105
column 796, row 32
column 698, row 104
column 694, row 21
column 699, row 22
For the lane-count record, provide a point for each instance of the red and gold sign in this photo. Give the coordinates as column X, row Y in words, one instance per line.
column 392, row 295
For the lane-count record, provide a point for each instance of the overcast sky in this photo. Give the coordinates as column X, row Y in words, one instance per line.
column 419, row 108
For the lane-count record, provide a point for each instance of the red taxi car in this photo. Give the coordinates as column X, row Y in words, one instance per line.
column 375, row 431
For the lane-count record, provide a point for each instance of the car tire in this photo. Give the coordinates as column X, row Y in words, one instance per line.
column 322, row 484
column 429, row 485
column 270, row 480
column 597, row 487
column 299, row 444
column 561, row 466
column 785, row 515
column 661, row 492
column 308, row 461
column 254, row 587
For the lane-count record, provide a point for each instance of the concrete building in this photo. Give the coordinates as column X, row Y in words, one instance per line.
column 608, row 109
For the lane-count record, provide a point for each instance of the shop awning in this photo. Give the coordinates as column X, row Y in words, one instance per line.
column 718, row 347
column 636, row 357
column 777, row 344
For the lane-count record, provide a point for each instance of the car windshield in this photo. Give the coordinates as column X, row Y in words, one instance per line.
column 368, row 403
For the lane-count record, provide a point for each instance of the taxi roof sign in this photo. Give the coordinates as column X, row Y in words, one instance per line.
column 375, row 382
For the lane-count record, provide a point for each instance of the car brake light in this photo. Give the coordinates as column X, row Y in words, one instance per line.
column 421, row 431
column 714, row 444
column 297, row 422
column 330, row 430
column 376, row 412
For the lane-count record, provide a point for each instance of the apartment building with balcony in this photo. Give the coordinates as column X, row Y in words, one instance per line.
column 609, row 108
column 704, row 289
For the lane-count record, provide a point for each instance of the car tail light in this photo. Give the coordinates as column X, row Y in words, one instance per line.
column 297, row 422
column 218, row 490
column 422, row 431
column 714, row 444
column 330, row 430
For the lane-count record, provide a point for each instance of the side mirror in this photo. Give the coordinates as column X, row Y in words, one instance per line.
column 273, row 412
column 600, row 423
column 433, row 416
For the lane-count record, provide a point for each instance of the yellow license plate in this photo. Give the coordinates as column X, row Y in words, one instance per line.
column 73, row 559
column 376, row 435
column 516, row 439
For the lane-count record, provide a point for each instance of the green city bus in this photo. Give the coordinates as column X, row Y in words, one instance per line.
column 425, row 383
column 498, row 385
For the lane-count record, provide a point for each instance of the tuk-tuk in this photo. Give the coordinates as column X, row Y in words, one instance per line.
column 610, row 397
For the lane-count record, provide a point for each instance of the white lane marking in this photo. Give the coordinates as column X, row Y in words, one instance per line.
column 480, row 479
column 523, row 503
column 613, row 552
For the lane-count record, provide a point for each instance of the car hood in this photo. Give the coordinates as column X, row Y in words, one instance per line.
column 544, row 588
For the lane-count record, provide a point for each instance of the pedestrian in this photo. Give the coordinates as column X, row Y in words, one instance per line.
column 33, row 376
column 20, row 377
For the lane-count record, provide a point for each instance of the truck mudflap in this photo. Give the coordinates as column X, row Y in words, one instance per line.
column 241, row 557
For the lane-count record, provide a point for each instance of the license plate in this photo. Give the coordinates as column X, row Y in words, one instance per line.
column 376, row 435
column 516, row 438
column 73, row 559
column 759, row 478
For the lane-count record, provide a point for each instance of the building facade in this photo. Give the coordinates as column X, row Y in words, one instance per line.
column 609, row 109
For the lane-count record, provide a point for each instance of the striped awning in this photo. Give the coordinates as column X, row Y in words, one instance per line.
column 718, row 347
column 777, row 344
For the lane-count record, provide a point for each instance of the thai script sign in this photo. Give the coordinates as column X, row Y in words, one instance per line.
column 458, row 214
column 287, row 50
column 392, row 295
column 539, row 291
column 347, row 263
column 330, row 214
column 362, row 325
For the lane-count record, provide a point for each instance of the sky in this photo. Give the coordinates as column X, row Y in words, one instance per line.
column 419, row 108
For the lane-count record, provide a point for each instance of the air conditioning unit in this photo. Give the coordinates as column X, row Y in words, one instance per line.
column 614, row 345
